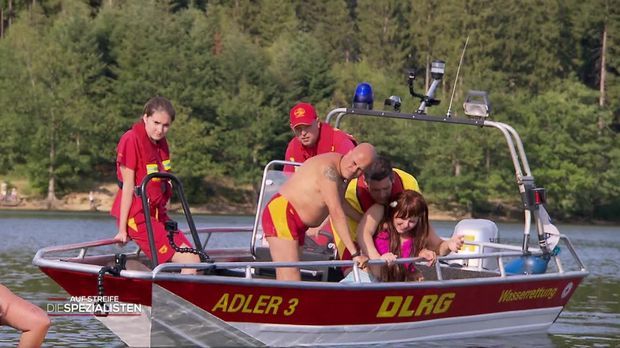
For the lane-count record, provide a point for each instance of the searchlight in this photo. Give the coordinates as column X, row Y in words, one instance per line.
column 477, row 104
column 394, row 101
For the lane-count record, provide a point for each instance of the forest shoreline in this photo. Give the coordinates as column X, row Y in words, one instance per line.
column 103, row 197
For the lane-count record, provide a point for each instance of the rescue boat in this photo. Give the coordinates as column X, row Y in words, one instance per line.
column 488, row 288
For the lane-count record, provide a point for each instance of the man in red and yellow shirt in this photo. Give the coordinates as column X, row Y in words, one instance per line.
column 143, row 150
column 313, row 137
column 367, row 196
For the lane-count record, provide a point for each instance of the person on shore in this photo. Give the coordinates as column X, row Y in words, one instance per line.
column 13, row 195
column 143, row 150
column 22, row 315
column 91, row 201
column 3, row 191
column 312, row 193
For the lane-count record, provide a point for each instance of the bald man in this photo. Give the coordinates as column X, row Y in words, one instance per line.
column 313, row 192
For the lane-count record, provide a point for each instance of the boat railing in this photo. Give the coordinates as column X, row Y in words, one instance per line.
column 84, row 247
column 507, row 252
column 249, row 267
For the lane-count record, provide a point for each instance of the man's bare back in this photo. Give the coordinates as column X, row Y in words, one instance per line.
column 315, row 191
column 303, row 189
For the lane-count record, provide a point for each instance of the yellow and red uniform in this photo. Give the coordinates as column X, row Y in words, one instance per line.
column 330, row 140
column 358, row 196
column 281, row 220
column 137, row 152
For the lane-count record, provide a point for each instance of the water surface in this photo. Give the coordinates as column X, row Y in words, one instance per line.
column 592, row 317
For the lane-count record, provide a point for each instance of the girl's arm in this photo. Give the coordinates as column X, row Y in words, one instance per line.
column 453, row 244
column 440, row 246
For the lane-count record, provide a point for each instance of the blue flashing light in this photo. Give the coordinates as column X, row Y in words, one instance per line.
column 363, row 97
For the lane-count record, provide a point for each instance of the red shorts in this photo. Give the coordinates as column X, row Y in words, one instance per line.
column 281, row 220
column 137, row 231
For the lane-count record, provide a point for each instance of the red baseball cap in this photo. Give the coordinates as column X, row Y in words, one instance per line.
column 302, row 113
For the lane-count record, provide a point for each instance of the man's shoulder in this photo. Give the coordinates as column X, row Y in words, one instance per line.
column 294, row 141
column 326, row 157
column 322, row 160
column 340, row 135
column 402, row 173
column 408, row 180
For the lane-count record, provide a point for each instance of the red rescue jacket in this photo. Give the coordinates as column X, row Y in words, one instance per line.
column 151, row 157
column 329, row 139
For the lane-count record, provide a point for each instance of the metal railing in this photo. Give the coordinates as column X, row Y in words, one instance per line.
column 85, row 246
column 42, row 258
column 512, row 252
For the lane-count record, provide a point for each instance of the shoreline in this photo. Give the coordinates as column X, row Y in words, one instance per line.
column 230, row 209
column 103, row 197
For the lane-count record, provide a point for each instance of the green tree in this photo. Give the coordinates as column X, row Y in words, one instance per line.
column 55, row 93
column 275, row 18
column 245, row 133
column 330, row 23
column 383, row 30
column 569, row 155
column 302, row 69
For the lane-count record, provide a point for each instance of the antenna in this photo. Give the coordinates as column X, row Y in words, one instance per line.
column 458, row 70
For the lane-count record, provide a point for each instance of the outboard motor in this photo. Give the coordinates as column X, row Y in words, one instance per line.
column 477, row 230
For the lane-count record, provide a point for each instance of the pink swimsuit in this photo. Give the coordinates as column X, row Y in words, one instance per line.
column 382, row 243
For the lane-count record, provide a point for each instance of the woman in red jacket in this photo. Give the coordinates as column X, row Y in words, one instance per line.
column 143, row 150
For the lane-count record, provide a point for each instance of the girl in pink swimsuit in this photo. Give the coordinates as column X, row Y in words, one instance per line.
column 403, row 233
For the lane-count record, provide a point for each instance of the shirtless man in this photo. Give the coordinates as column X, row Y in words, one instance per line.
column 315, row 191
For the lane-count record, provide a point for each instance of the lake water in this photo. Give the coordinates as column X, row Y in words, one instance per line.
column 591, row 319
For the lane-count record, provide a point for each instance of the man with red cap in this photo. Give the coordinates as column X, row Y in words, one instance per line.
column 313, row 137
